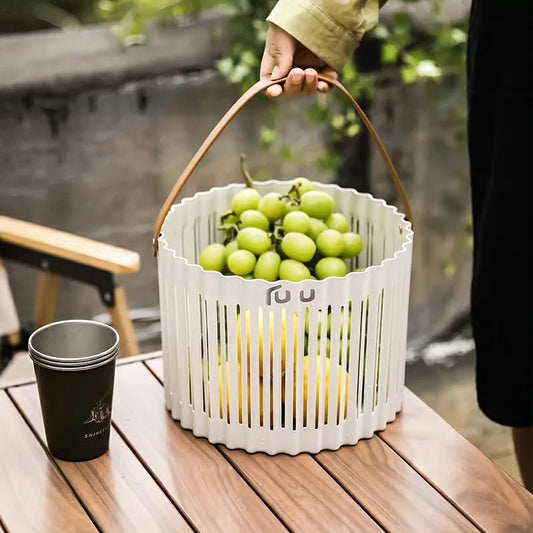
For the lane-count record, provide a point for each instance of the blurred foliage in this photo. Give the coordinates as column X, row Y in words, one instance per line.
column 131, row 15
column 417, row 55
column 28, row 15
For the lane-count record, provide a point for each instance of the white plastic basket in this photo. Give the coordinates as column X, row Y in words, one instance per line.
column 233, row 349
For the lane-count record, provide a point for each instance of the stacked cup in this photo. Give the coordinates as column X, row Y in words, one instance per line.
column 74, row 363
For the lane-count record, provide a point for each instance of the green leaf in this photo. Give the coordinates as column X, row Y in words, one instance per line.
column 286, row 153
column 268, row 137
column 329, row 162
column 389, row 53
column 409, row 74
column 249, row 59
column 349, row 72
column 338, row 121
column 239, row 73
column 225, row 66
column 317, row 114
column 353, row 130
column 428, row 69
column 450, row 268
column 381, row 32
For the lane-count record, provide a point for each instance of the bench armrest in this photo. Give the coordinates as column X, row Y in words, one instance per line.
column 68, row 246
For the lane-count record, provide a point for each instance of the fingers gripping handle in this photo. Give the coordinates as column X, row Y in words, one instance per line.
column 251, row 93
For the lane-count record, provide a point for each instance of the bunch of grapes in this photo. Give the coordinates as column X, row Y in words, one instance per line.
column 294, row 236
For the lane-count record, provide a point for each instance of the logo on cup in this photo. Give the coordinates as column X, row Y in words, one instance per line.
column 100, row 412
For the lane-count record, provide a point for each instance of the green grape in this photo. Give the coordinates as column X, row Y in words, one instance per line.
column 298, row 246
column 330, row 243
column 241, row 262
column 291, row 206
column 329, row 267
column 337, row 221
column 317, row 204
column 272, row 206
column 292, row 270
column 353, row 245
column 212, row 258
column 231, row 247
column 303, row 185
column 252, row 218
column 342, row 323
column 296, row 221
column 319, row 321
column 267, row 266
column 316, row 227
column 254, row 240
column 328, row 347
column 244, row 200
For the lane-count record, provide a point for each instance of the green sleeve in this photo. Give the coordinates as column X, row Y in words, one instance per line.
column 331, row 29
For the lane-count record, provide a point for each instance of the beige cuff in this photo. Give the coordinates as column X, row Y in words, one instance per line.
column 317, row 31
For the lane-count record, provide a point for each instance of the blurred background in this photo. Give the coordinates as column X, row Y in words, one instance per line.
column 104, row 102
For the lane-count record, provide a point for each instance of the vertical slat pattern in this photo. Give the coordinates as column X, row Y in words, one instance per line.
column 353, row 389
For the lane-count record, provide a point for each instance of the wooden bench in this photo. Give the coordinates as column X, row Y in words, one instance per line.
column 59, row 254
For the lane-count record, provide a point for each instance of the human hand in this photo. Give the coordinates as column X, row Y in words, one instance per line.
column 284, row 55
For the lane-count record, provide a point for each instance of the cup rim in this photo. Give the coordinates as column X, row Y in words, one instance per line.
column 74, row 360
column 74, row 364
column 74, row 368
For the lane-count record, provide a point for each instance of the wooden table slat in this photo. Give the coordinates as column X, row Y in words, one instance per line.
column 405, row 501
column 207, row 489
column 489, row 496
column 34, row 497
column 116, row 489
column 302, row 493
column 156, row 366
column 418, row 475
column 399, row 498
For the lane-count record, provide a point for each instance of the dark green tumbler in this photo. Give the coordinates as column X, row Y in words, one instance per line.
column 74, row 363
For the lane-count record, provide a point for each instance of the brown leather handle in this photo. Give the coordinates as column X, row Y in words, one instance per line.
column 253, row 91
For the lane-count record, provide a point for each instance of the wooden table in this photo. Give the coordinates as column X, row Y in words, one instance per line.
column 418, row 475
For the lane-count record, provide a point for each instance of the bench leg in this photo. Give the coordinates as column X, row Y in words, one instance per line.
column 122, row 323
column 45, row 302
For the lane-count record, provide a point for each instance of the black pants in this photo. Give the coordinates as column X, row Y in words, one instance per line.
column 500, row 147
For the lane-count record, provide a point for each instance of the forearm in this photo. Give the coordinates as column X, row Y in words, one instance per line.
column 332, row 29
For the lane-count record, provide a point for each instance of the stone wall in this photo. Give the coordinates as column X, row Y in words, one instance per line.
column 423, row 127
column 94, row 138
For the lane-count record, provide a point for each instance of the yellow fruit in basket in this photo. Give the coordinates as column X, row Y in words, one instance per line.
column 240, row 389
column 260, row 339
column 318, row 392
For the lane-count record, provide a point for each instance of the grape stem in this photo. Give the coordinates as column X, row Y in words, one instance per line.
column 277, row 237
column 294, row 194
column 246, row 173
column 231, row 232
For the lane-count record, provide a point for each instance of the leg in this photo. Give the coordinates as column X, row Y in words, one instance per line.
column 122, row 323
column 500, row 139
column 45, row 303
column 523, row 445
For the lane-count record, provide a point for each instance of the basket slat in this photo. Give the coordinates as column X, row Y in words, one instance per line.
column 234, row 349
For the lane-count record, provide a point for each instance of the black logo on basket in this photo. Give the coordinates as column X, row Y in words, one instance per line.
column 279, row 299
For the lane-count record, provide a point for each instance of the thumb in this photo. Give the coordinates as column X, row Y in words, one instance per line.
column 284, row 62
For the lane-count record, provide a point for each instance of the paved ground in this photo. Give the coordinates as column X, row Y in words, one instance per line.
column 450, row 391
